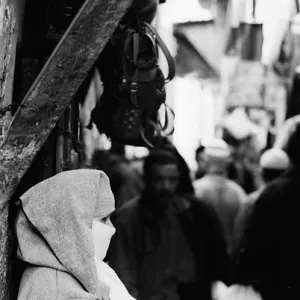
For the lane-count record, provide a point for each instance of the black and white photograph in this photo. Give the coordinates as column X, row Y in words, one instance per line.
column 149, row 149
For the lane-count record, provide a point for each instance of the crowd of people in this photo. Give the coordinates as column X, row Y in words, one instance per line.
column 174, row 235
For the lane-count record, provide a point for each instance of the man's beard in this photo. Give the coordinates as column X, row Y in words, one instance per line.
column 163, row 199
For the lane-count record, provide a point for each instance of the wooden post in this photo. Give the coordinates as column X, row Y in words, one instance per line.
column 10, row 24
column 11, row 12
column 47, row 99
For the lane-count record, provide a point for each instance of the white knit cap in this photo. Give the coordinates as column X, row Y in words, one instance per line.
column 217, row 149
column 275, row 159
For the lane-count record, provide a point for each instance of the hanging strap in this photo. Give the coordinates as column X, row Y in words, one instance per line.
column 157, row 130
column 297, row 6
column 131, row 38
column 167, row 121
column 133, row 85
column 165, row 50
column 253, row 8
column 128, row 37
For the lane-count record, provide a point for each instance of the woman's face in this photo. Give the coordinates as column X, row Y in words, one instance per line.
column 102, row 230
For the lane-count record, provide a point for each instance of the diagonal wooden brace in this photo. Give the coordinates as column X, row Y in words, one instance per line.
column 48, row 97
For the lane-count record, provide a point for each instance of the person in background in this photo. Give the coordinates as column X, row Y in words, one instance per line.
column 240, row 169
column 168, row 245
column 125, row 180
column 224, row 195
column 201, row 159
column 239, row 133
column 270, row 259
column 185, row 180
column 273, row 163
column 63, row 231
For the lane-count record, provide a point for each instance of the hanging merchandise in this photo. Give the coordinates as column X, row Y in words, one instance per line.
column 283, row 66
column 251, row 37
column 232, row 42
column 295, row 26
column 293, row 103
column 134, row 85
column 276, row 30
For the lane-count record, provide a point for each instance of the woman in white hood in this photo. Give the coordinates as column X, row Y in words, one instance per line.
column 63, row 231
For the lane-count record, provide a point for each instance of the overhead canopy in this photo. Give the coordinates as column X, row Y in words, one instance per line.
column 207, row 38
column 190, row 60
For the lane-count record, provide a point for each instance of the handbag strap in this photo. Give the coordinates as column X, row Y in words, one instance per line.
column 254, row 8
column 157, row 130
column 297, row 6
column 167, row 121
column 133, row 85
column 131, row 38
column 165, row 50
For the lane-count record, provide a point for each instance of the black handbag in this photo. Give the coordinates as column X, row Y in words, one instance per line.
column 134, row 89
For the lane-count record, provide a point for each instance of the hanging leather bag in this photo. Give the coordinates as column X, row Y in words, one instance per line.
column 128, row 110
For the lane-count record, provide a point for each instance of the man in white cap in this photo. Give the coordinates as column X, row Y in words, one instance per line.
column 269, row 259
column 273, row 163
column 224, row 195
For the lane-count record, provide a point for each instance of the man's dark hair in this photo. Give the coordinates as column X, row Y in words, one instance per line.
column 159, row 156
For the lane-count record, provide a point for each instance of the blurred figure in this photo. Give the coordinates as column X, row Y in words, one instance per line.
column 168, row 246
column 238, row 133
column 240, row 169
column 273, row 163
column 270, row 258
column 224, row 195
column 185, row 181
column 126, row 182
column 285, row 132
column 201, row 159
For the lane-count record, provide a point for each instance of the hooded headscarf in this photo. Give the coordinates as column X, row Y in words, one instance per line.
column 54, row 225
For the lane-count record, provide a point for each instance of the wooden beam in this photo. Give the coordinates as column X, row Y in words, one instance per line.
column 47, row 99
column 8, row 38
column 11, row 12
column 10, row 25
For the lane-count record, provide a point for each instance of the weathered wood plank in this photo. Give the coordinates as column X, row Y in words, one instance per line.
column 10, row 25
column 46, row 100
column 8, row 42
